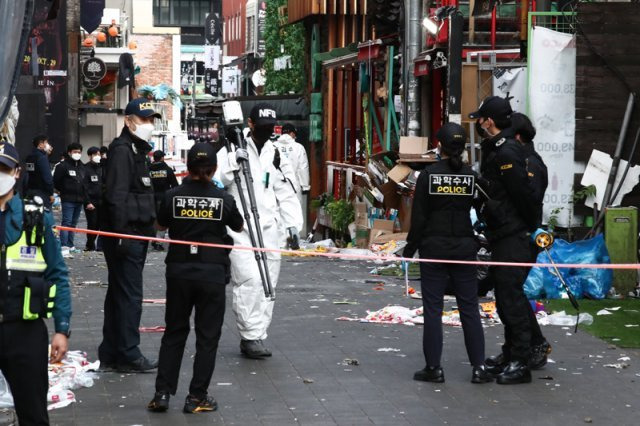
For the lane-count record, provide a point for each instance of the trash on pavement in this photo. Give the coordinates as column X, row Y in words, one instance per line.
column 561, row 318
column 593, row 283
column 74, row 372
column 388, row 350
column 617, row 365
column 156, row 329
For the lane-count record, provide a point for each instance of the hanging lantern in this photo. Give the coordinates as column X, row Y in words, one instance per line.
column 88, row 42
column 102, row 37
column 133, row 45
column 113, row 31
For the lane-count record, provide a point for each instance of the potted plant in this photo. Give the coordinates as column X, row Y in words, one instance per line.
column 91, row 98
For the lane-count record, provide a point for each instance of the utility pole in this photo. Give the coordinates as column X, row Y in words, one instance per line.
column 73, row 73
column 413, row 35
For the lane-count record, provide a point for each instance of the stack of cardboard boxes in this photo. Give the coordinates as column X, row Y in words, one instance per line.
column 382, row 197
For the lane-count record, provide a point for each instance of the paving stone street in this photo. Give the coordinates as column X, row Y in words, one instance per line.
column 308, row 381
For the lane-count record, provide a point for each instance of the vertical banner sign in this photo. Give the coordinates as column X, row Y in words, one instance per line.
column 211, row 86
column 91, row 14
column 47, row 50
column 552, row 101
column 262, row 19
column 212, row 49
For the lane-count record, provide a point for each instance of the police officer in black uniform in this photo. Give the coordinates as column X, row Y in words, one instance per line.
column 196, row 277
column 129, row 209
column 441, row 229
column 524, row 132
column 510, row 216
column 93, row 185
column 163, row 179
column 38, row 168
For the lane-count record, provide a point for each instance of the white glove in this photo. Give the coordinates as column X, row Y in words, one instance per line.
column 241, row 155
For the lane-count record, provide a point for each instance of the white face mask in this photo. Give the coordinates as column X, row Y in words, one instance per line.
column 144, row 131
column 96, row 159
column 7, row 182
column 76, row 157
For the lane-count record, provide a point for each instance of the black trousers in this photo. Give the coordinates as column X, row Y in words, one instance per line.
column 23, row 361
column 208, row 299
column 123, row 303
column 434, row 280
column 521, row 329
column 94, row 224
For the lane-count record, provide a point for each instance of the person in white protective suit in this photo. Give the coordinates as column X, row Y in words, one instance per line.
column 297, row 156
column 280, row 213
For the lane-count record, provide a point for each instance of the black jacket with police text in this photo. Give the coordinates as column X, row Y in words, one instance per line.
column 68, row 180
column 440, row 217
column 199, row 211
column 128, row 198
column 162, row 177
column 510, row 208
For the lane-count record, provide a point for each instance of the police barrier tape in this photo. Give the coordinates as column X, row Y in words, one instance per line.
column 345, row 256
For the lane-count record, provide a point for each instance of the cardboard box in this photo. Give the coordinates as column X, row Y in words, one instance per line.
column 385, row 238
column 380, row 227
column 391, row 199
column 413, row 145
column 399, row 173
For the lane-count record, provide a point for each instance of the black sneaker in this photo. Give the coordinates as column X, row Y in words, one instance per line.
column 157, row 246
column 159, row 403
column 516, row 372
column 539, row 355
column 107, row 367
column 430, row 374
column 481, row 375
column 254, row 349
column 496, row 364
column 140, row 365
column 195, row 405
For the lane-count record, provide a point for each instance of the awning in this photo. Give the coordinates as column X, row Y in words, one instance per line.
column 338, row 57
column 369, row 50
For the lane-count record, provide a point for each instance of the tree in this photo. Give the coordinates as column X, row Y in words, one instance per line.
column 292, row 38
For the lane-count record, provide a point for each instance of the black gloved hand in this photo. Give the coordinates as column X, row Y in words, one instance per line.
column 293, row 239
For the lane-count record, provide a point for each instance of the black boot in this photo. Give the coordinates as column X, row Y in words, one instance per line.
column 539, row 355
column 481, row 375
column 430, row 374
column 496, row 364
column 516, row 372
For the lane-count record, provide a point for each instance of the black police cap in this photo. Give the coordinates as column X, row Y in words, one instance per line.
column 202, row 154
column 493, row 107
column 452, row 137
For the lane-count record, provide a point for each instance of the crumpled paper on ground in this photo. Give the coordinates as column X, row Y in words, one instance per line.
column 407, row 316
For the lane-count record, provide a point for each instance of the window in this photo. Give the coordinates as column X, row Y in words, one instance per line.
column 180, row 13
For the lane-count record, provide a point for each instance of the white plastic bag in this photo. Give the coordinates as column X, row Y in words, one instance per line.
column 6, row 399
column 562, row 319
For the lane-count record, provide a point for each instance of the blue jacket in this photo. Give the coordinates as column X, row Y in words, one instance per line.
column 56, row 271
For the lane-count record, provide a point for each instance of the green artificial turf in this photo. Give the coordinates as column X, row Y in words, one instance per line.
column 606, row 327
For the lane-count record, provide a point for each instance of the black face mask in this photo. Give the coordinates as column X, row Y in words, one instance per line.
column 262, row 134
column 481, row 131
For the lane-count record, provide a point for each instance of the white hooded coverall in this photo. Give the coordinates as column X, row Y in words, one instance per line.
column 297, row 156
column 279, row 209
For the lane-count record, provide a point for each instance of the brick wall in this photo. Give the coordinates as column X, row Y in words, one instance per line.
column 154, row 56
